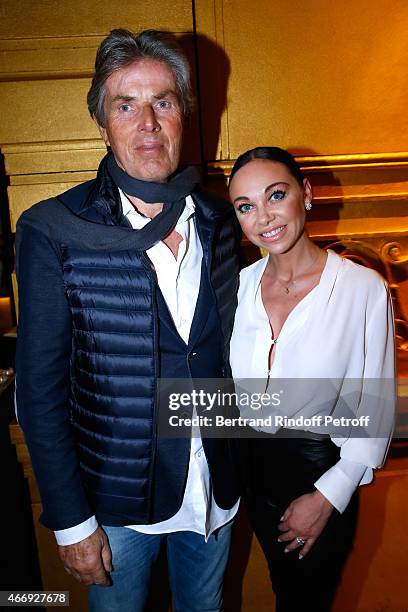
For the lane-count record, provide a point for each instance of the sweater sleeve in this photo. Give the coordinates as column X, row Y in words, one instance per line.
column 43, row 379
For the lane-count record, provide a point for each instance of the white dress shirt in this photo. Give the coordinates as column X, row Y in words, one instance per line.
column 178, row 279
column 341, row 331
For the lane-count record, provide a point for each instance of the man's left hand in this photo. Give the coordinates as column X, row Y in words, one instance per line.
column 305, row 518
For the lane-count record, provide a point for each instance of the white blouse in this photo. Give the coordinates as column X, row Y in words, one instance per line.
column 342, row 332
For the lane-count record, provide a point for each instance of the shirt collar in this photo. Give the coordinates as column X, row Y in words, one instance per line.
column 139, row 221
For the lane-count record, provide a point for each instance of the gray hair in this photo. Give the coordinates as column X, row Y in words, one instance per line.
column 122, row 48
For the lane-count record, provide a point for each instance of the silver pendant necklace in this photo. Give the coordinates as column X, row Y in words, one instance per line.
column 286, row 286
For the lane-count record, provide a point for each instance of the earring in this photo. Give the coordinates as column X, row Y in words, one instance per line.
column 308, row 205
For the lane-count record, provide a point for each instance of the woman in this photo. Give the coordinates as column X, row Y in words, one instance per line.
column 312, row 316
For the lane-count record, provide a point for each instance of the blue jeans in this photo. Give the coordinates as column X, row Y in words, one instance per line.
column 196, row 570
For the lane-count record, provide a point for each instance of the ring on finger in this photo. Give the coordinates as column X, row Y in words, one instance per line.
column 300, row 541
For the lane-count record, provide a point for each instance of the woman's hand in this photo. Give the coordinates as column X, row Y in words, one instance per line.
column 305, row 518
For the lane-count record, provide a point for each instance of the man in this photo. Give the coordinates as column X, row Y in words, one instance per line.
column 124, row 279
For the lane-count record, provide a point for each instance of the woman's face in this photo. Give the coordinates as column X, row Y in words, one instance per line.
column 270, row 204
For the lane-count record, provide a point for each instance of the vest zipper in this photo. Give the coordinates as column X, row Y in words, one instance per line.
column 151, row 273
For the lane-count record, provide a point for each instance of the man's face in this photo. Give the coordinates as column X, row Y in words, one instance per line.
column 143, row 120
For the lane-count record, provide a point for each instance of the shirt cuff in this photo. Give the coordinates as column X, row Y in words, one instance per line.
column 340, row 481
column 75, row 534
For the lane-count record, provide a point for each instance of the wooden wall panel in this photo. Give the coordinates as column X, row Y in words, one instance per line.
column 46, row 18
column 45, row 110
column 36, row 58
column 315, row 76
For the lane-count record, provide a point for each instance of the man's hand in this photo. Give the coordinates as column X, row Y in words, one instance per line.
column 305, row 518
column 90, row 560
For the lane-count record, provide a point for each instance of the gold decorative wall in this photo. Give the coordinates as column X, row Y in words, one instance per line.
column 328, row 80
column 319, row 77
